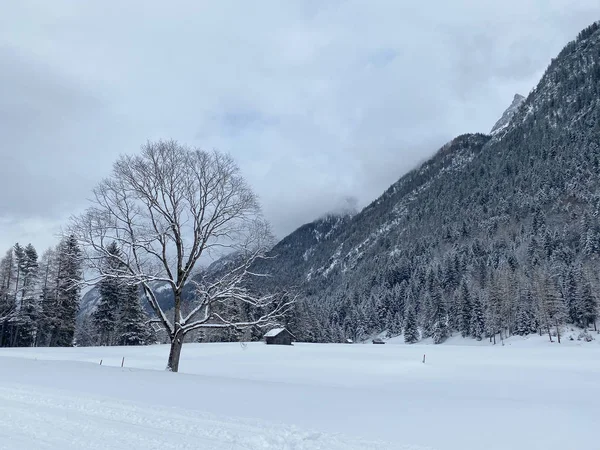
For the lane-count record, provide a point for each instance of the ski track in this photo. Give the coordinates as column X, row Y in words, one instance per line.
column 43, row 420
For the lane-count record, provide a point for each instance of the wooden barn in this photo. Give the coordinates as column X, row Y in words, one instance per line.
column 279, row 336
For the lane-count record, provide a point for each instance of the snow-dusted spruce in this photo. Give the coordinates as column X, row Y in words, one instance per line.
column 8, row 305
column 64, row 303
column 39, row 300
column 104, row 318
column 119, row 318
column 167, row 208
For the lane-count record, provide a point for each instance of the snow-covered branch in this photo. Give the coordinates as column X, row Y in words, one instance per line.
column 166, row 209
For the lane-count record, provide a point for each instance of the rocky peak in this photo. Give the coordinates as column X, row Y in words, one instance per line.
column 503, row 122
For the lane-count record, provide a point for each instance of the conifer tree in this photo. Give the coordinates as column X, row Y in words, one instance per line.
column 571, row 296
column 411, row 331
column 477, row 318
column 524, row 323
column 19, row 253
column 18, row 291
column 394, row 324
column 67, row 291
column 7, row 301
column 454, row 311
column 112, row 292
column 439, row 318
column 588, row 306
column 48, row 315
column 466, row 310
column 133, row 328
column 28, row 312
column 426, row 314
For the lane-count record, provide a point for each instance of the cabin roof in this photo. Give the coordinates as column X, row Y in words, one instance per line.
column 276, row 331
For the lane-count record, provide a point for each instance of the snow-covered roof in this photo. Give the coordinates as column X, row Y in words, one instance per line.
column 274, row 332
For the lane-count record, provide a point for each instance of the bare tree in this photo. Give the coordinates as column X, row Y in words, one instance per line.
column 167, row 208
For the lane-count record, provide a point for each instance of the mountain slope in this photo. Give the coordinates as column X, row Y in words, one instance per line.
column 504, row 228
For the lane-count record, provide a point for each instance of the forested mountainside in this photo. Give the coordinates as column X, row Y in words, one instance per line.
column 494, row 235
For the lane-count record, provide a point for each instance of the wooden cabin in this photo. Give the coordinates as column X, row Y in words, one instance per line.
column 279, row 336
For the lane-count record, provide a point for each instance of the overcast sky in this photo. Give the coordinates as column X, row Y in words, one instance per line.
column 318, row 101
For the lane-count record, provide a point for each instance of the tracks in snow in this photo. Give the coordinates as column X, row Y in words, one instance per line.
column 34, row 418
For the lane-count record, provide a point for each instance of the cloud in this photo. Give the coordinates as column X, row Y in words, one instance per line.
column 317, row 101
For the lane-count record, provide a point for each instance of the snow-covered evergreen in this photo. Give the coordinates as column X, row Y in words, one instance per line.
column 132, row 322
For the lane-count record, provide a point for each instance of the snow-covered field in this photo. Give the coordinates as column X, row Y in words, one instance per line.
column 528, row 394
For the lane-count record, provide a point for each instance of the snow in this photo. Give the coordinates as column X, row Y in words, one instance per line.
column 162, row 288
column 528, row 393
column 274, row 332
column 507, row 116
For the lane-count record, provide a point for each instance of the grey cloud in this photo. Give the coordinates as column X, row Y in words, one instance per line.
column 317, row 101
column 39, row 117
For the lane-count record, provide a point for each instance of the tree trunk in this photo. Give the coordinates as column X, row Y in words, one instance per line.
column 15, row 335
column 558, row 333
column 3, row 335
column 175, row 352
column 549, row 333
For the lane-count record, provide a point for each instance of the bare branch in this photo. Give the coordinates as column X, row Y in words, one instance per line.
column 167, row 209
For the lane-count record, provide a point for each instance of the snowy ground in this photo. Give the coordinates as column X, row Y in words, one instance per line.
column 528, row 394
